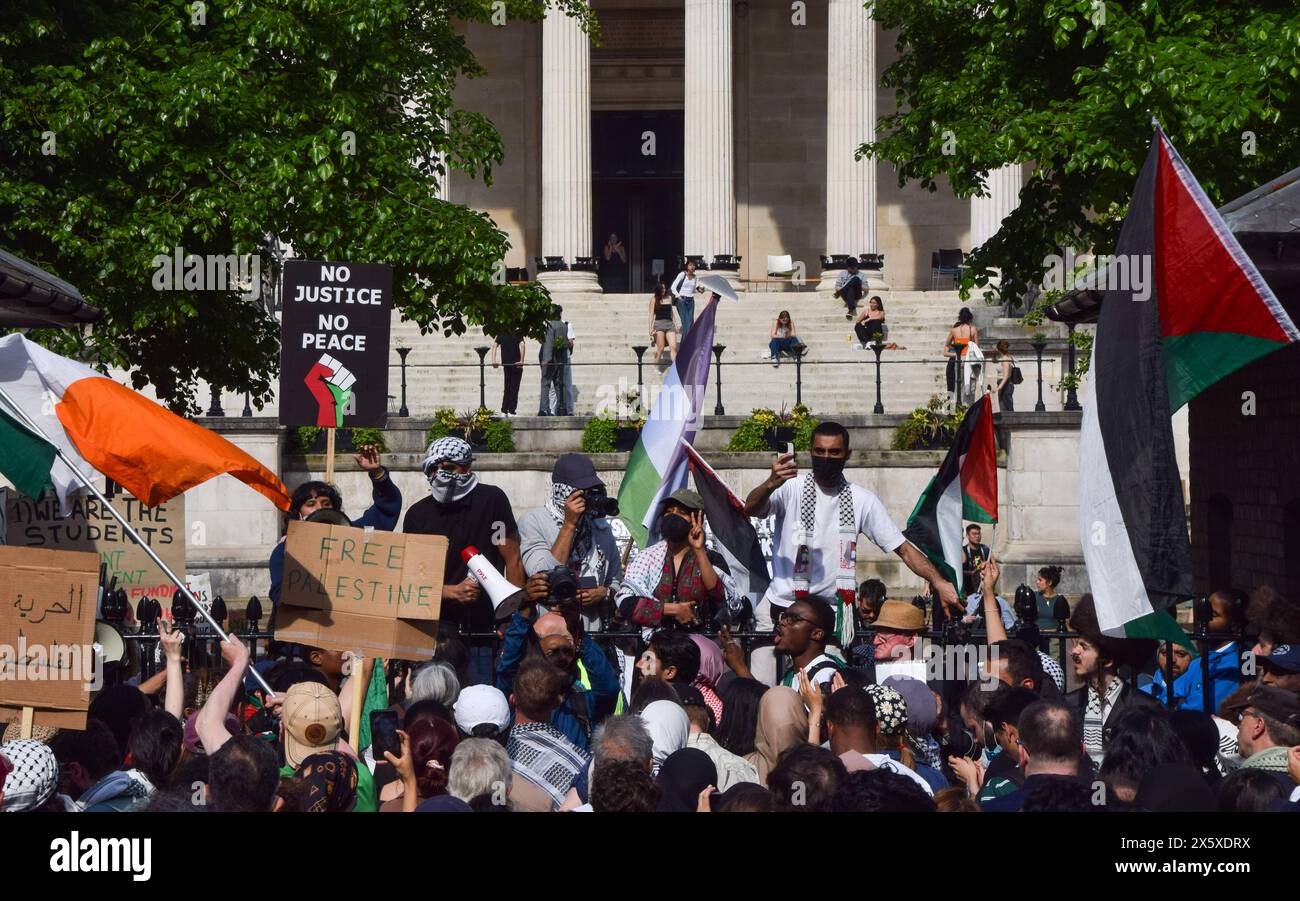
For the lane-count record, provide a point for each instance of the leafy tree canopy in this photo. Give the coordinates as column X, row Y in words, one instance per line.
column 130, row 127
column 1070, row 87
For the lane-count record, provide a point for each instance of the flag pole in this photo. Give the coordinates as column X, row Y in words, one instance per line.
column 127, row 527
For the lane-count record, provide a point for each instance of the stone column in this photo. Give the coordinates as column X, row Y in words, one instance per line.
column 566, row 151
column 987, row 213
column 710, row 203
column 850, row 123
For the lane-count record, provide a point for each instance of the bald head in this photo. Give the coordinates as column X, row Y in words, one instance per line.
column 551, row 624
column 1051, row 738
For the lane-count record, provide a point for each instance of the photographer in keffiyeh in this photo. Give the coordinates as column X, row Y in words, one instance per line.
column 677, row 582
column 572, row 529
column 819, row 516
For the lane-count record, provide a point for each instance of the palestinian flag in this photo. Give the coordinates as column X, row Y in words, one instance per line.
column 657, row 465
column 56, row 413
column 1204, row 312
column 965, row 488
column 725, row 514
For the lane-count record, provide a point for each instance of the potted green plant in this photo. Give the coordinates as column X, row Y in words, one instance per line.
column 630, row 421
column 306, row 439
column 470, row 425
column 765, row 429
column 931, row 427
column 360, row 437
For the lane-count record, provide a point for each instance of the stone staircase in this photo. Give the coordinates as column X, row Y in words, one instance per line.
column 837, row 376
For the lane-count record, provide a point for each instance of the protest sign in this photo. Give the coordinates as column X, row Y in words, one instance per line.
column 91, row 527
column 200, row 585
column 47, row 625
column 347, row 589
column 334, row 344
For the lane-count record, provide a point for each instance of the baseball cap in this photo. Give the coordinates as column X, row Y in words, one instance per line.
column 1281, row 705
column 687, row 498
column 576, row 471
column 34, row 777
column 313, row 721
column 1285, row 657
column 478, row 704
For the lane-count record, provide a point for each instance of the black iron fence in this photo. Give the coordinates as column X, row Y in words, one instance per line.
column 878, row 357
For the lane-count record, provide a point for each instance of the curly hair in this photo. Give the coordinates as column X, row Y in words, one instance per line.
column 623, row 786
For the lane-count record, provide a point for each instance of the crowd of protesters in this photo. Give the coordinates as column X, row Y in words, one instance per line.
column 843, row 710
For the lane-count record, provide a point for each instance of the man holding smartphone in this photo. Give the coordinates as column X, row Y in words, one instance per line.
column 819, row 516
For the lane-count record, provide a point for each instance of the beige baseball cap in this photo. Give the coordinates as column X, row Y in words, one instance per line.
column 313, row 721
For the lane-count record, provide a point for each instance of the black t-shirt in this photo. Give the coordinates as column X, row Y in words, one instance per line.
column 470, row 521
column 509, row 345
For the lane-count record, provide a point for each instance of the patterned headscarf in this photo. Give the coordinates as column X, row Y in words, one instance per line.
column 331, row 782
column 451, row 449
column 891, row 709
column 583, row 540
column 34, row 778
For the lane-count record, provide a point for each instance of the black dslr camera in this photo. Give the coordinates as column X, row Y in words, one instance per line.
column 600, row 503
column 561, row 586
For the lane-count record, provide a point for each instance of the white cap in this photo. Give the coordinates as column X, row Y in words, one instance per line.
column 481, row 704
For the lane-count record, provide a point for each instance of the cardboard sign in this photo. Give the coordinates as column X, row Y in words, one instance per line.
column 47, row 626
column 334, row 344
column 90, row 527
column 346, row 589
column 200, row 585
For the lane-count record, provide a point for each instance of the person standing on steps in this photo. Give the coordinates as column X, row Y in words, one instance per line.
column 553, row 358
column 661, row 323
column 513, row 351
column 1005, row 387
column 962, row 334
column 683, row 292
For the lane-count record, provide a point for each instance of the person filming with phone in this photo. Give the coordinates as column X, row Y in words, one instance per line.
column 819, row 515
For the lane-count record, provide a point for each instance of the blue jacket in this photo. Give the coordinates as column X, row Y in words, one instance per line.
column 601, row 697
column 1225, row 675
column 382, row 514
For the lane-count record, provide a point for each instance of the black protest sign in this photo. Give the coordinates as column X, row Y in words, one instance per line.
column 334, row 344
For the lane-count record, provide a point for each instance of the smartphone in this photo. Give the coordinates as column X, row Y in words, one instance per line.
column 789, row 448
column 383, row 734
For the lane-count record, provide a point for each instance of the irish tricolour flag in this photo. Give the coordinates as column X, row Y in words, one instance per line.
column 49, row 404
column 964, row 488
column 658, row 466
column 1209, row 314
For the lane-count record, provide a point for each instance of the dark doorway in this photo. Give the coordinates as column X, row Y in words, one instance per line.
column 637, row 196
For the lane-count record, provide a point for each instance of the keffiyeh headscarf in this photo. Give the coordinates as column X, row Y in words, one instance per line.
column 891, row 709
column 448, row 487
column 34, row 777
column 846, row 562
column 331, row 782
column 585, row 557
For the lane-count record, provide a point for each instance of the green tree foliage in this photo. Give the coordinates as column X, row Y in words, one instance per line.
column 130, row 127
column 1070, row 86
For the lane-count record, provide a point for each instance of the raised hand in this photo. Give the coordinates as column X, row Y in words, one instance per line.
column 783, row 469
column 695, row 538
column 368, row 458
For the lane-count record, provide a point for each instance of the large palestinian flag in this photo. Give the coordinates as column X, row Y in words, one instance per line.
column 965, row 488
column 1207, row 313
column 726, row 517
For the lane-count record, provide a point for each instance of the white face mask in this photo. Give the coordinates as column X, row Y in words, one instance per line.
column 449, row 486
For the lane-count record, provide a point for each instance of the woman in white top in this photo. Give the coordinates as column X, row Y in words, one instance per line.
column 683, row 292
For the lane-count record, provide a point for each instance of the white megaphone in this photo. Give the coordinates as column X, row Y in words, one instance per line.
column 506, row 597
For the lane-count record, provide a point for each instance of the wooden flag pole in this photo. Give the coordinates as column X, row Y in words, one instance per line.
column 358, row 699
column 25, row 725
column 329, row 455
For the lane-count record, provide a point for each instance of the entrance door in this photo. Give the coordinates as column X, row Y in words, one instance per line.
column 637, row 196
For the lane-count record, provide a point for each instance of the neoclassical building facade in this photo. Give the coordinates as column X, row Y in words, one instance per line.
column 722, row 129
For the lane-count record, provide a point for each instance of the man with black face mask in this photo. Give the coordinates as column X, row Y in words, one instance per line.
column 467, row 513
column 572, row 529
column 819, row 516
column 677, row 582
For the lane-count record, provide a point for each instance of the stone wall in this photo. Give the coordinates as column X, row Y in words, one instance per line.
column 1038, row 507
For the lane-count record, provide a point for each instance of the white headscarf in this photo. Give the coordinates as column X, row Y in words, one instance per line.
column 669, row 728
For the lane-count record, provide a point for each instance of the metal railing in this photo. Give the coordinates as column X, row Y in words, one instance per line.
column 880, row 357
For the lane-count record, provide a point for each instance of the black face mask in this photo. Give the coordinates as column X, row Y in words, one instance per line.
column 828, row 470
column 674, row 528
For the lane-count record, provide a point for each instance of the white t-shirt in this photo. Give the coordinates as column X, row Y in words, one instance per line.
column 819, row 678
column 824, row 544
